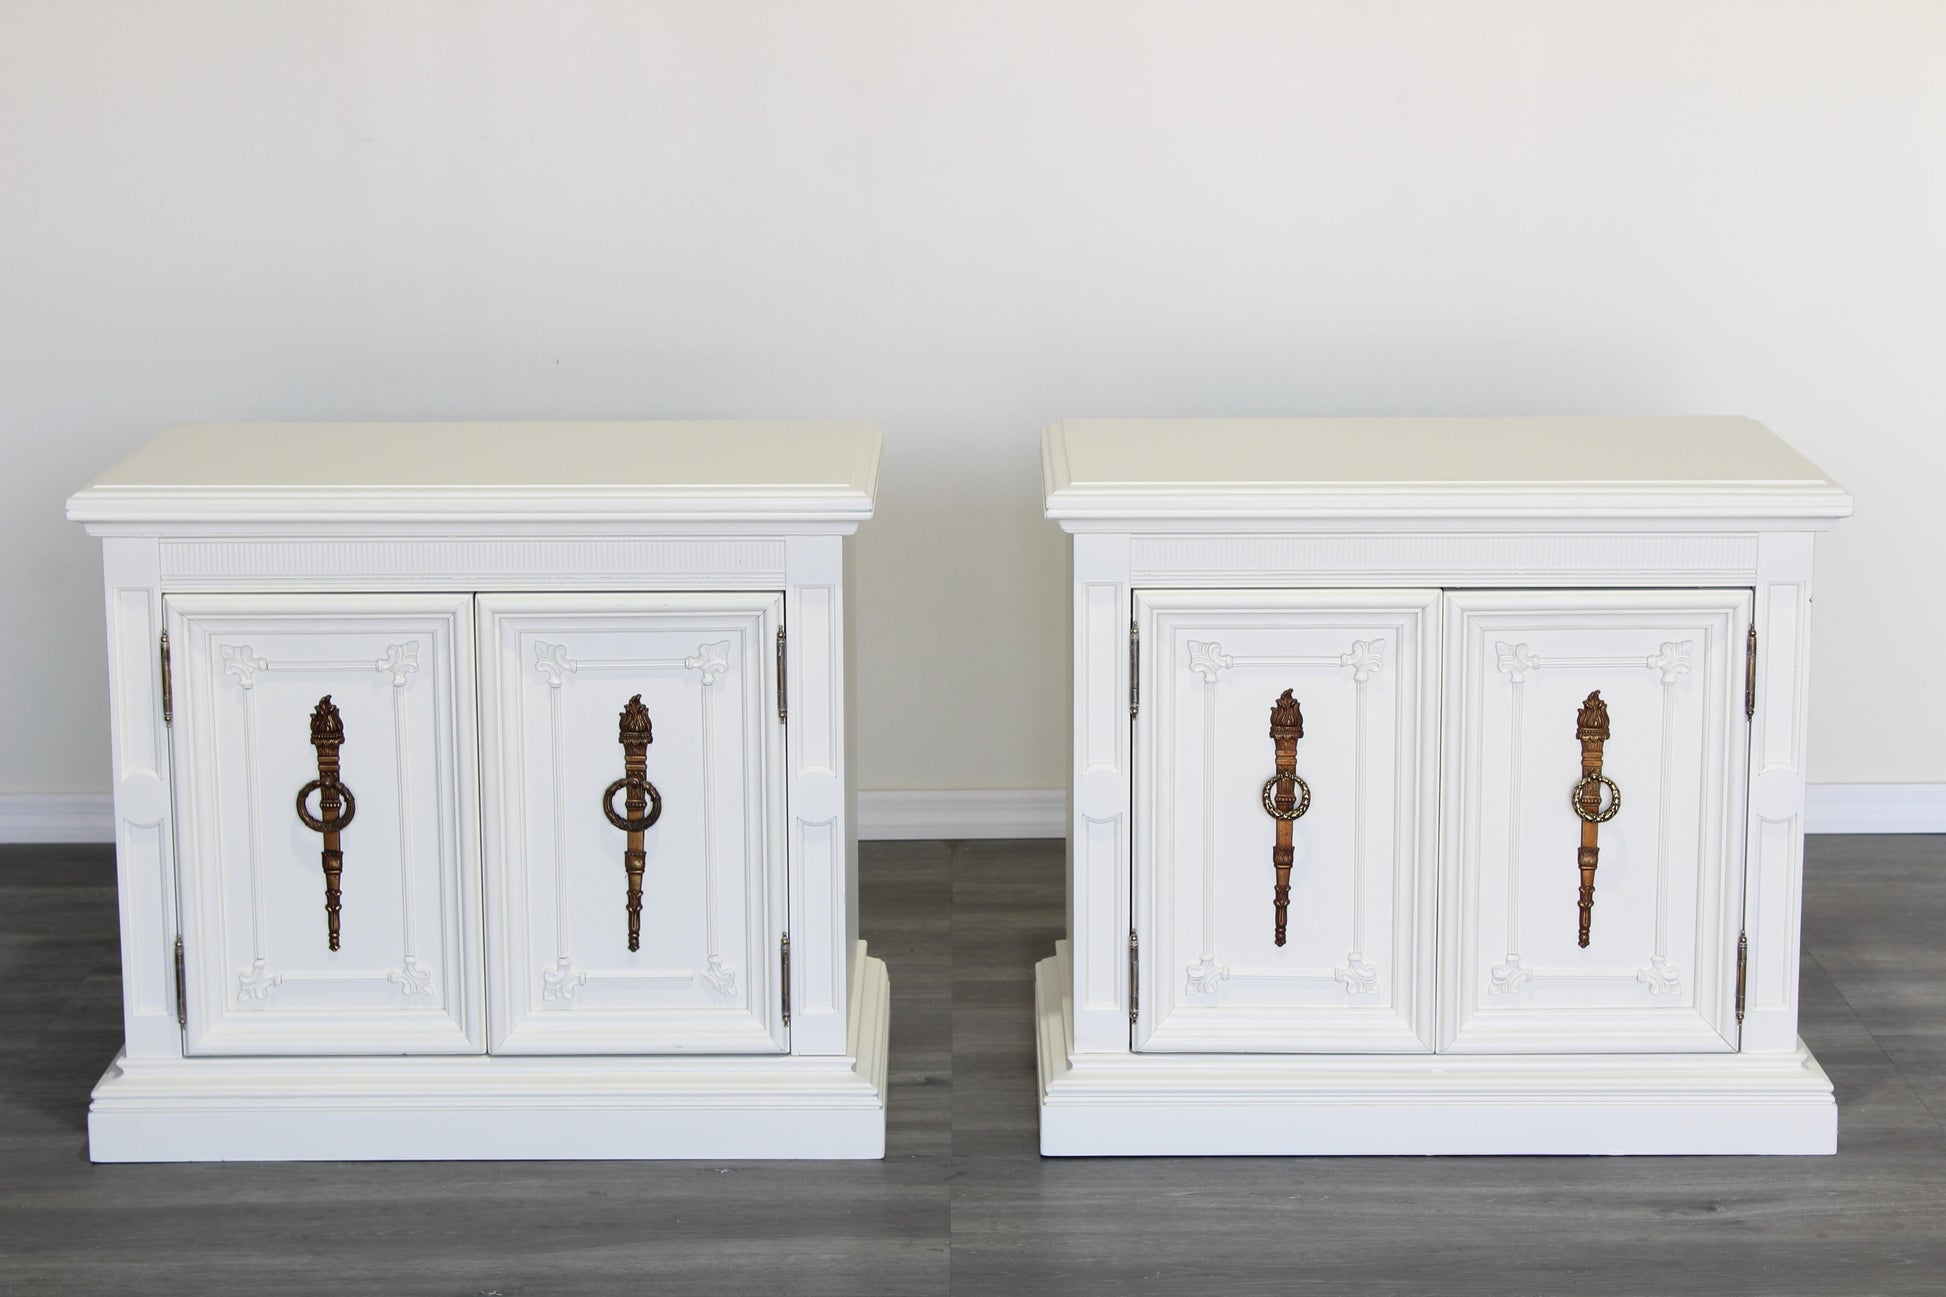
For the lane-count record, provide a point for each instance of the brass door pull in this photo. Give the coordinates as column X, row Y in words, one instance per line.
column 1591, row 727
column 636, row 735
column 1285, row 796
column 336, row 805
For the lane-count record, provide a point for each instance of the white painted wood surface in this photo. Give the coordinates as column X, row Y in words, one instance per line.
column 356, row 1108
column 666, row 554
column 262, row 976
column 1363, row 1105
column 1351, row 976
column 557, row 671
column 1658, row 973
column 1713, row 470
column 1626, row 555
column 703, row 471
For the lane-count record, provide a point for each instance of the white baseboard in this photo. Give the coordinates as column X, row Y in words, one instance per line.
column 57, row 817
column 1875, row 808
column 964, row 813
column 1017, row 813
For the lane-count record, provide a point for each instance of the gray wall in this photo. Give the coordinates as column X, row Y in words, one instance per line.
column 961, row 221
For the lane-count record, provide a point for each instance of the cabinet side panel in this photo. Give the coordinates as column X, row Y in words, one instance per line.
column 848, row 660
column 144, row 829
column 821, row 881
column 1098, row 876
column 1772, row 909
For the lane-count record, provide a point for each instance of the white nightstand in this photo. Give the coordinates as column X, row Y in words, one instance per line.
column 559, row 923
column 1490, row 629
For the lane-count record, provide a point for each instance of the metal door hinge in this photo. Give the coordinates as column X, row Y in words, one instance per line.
column 182, row 989
column 1134, row 669
column 1743, row 966
column 168, row 689
column 787, row 978
column 1134, row 975
column 783, row 677
column 1750, row 674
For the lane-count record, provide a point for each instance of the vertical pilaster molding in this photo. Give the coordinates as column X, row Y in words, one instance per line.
column 145, row 862
column 823, row 844
column 1774, row 877
column 1099, row 844
column 848, row 627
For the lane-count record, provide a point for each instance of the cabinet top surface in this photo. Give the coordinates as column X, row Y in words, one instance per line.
column 1132, row 469
column 777, row 471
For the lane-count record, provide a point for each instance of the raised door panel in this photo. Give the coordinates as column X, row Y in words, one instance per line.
column 1355, row 971
column 557, row 673
column 1658, row 971
column 250, row 672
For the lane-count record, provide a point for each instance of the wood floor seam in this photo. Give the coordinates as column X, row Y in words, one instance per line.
column 1892, row 1062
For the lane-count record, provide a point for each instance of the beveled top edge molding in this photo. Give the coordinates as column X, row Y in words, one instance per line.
column 1149, row 473
column 499, row 525
column 1473, row 513
column 266, row 516
column 621, row 472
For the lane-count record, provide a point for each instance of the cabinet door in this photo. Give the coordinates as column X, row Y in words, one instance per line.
column 1659, row 970
column 558, row 672
column 250, row 672
column 1354, row 972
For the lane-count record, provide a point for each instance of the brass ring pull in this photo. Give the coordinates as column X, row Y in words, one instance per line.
column 638, row 823
column 1270, row 799
column 641, row 808
column 1596, row 782
column 337, row 823
column 336, row 806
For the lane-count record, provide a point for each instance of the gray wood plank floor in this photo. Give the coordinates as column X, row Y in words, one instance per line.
column 963, row 1202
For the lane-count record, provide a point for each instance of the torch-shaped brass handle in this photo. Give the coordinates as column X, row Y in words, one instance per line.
column 636, row 735
column 1285, row 796
column 336, row 805
column 1591, row 727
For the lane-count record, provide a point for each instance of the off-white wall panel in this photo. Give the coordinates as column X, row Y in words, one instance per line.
column 961, row 220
